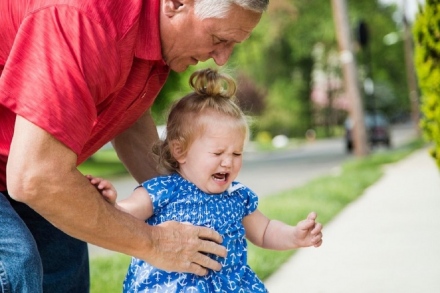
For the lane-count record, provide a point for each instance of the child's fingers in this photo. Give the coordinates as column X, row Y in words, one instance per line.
column 104, row 184
column 306, row 224
column 316, row 234
column 312, row 216
column 318, row 243
column 107, row 193
column 317, row 229
column 310, row 223
column 93, row 180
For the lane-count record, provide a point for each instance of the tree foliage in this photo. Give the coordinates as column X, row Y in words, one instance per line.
column 175, row 87
column 383, row 63
column 426, row 32
column 274, row 66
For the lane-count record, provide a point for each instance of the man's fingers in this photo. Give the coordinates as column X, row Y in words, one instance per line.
column 211, row 247
column 209, row 243
column 209, row 234
column 185, row 248
column 197, row 270
column 206, row 262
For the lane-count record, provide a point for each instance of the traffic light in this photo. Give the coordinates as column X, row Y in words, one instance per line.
column 362, row 34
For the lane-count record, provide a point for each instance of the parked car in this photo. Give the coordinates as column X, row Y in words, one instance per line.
column 377, row 127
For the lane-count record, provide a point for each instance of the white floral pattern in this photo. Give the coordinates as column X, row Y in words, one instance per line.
column 174, row 198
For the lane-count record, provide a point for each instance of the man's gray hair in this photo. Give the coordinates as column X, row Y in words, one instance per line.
column 219, row 8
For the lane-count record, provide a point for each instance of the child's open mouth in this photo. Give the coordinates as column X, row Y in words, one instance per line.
column 220, row 176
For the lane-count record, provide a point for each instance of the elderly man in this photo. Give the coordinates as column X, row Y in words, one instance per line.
column 73, row 76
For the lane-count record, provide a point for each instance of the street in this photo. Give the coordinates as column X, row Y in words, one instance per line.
column 270, row 173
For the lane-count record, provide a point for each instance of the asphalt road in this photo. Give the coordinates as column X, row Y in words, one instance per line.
column 270, row 173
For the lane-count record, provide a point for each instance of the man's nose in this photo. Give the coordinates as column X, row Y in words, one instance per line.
column 222, row 54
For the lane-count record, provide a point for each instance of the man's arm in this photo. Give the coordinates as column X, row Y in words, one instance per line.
column 133, row 147
column 42, row 173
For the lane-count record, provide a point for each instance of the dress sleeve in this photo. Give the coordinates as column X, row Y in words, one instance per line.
column 160, row 191
column 59, row 66
column 249, row 197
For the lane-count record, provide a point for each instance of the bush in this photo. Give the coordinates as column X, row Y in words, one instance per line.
column 426, row 32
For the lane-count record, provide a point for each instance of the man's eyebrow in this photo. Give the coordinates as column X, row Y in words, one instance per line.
column 231, row 39
column 228, row 40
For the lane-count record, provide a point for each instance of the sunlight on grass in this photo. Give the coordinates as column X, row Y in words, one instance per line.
column 108, row 273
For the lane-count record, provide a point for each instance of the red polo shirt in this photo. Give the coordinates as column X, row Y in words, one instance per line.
column 83, row 70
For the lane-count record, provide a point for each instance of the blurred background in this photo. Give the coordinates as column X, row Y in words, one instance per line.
column 290, row 73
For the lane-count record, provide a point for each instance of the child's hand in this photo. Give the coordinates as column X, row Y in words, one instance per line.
column 308, row 232
column 105, row 188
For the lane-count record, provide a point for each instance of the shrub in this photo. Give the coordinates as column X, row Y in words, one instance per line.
column 426, row 32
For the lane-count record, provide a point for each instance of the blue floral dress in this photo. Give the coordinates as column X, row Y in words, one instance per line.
column 176, row 199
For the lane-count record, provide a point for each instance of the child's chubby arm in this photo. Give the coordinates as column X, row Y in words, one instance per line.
column 276, row 235
column 138, row 204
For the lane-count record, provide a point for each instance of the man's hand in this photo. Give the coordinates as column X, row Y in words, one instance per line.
column 183, row 248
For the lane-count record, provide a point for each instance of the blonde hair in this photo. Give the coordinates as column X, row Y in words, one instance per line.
column 214, row 94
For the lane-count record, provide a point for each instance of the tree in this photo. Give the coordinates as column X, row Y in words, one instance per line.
column 278, row 60
column 385, row 63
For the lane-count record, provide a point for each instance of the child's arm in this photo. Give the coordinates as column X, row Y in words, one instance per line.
column 276, row 235
column 138, row 204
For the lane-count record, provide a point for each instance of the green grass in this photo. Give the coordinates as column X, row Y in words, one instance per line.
column 326, row 195
column 108, row 273
column 104, row 163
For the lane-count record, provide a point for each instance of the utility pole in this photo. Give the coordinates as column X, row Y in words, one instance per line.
column 340, row 16
column 410, row 73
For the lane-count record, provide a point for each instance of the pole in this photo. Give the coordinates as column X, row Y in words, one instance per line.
column 410, row 73
column 349, row 70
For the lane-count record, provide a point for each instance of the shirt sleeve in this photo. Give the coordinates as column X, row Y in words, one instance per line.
column 60, row 65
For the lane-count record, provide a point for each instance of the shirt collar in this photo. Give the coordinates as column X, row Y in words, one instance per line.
column 148, row 45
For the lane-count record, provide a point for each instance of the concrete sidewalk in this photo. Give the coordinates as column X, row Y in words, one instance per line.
column 387, row 241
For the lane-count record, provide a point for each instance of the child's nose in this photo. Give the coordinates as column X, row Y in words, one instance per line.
column 226, row 161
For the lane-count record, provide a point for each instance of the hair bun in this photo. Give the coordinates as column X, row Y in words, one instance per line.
column 209, row 82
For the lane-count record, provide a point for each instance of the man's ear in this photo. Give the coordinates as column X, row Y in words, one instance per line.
column 172, row 7
column 177, row 151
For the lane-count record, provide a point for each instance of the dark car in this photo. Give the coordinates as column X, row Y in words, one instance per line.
column 377, row 128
